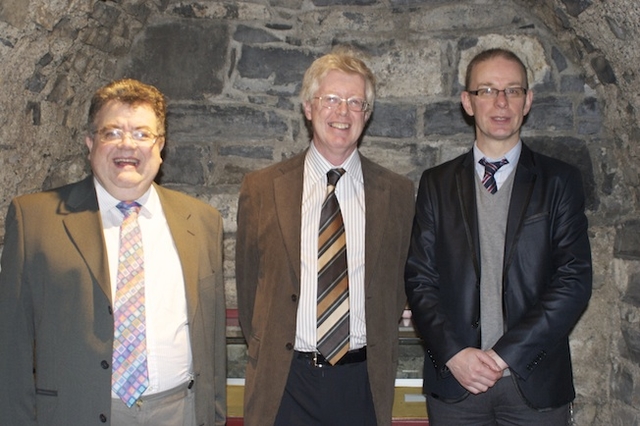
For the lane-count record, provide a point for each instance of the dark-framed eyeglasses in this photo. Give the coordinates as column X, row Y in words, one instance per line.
column 139, row 136
column 334, row 101
column 492, row 92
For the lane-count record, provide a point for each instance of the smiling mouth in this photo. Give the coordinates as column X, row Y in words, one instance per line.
column 340, row 126
column 501, row 119
column 122, row 162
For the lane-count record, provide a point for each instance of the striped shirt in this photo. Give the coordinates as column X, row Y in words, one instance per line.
column 350, row 194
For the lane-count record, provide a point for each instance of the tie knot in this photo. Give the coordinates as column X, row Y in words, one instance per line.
column 491, row 167
column 334, row 175
column 128, row 207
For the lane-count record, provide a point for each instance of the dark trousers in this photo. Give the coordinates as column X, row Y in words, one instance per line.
column 501, row 405
column 326, row 396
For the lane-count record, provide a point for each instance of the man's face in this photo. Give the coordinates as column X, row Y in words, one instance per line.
column 125, row 168
column 336, row 131
column 497, row 120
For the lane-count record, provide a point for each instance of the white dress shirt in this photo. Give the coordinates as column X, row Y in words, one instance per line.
column 168, row 347
column 350, row 194
column 503, row 172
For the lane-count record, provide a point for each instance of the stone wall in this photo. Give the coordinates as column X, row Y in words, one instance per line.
column 232, row 72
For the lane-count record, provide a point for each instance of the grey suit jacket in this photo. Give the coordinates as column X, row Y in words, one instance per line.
column 56, row 310
column 268, row 279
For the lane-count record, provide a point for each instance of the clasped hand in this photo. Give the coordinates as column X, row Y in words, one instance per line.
column 476, row 370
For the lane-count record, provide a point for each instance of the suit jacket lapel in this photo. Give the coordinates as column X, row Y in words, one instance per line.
column 523, row 184
column 377, row 193
column 84, row 225
column 465, row 188
column 183, row 236
column 287, row 192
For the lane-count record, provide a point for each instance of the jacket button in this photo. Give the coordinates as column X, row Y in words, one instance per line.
column 475, row 324
column 104, row 364
column 289, row 346
column 110, row 310
column 294, row 297
column 103, row 418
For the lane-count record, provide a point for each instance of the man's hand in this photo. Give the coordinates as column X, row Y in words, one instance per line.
column 503, row 365
column 475, row 369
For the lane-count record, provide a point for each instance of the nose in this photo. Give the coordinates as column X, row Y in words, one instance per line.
column 127, row 140
column 342, row 107
column 501, row 99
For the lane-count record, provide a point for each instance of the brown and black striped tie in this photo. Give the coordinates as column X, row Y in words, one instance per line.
column 333, row 277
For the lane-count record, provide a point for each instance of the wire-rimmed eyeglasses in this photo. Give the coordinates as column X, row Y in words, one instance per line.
column 492, row 92
column 334, row 101
column 139, row 136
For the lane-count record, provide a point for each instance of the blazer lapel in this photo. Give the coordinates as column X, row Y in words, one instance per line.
column 465, row 188
column 183, row 236
column 523, row 185
column 377, row 193
column 287, row 192
column 84, row 225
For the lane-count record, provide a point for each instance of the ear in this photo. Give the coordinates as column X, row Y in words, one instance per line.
column 160, row 143
column 307, row 109
column 528, row 102
column 88, row 141
column 465, row 98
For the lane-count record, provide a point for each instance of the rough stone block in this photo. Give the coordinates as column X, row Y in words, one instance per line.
column 105, row 14
column 184, row 164
column 631, row 336
column 184, row 59
column 589, row 117
column 393, row 120
column 202, row 123
column 627, row 242
column 445, row 118
column 284, row 66
column 571, row 83
column 603, row 69
column 632, row 294
column 407, row 69
column 15, row 12
column 245, row 34
column 576, row 7
column 558, row 59
column 550, row 113
column 622, row 384
column 254, row 151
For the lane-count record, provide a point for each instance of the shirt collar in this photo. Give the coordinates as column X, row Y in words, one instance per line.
column 512, row 156
column 317, row 166
column 149, row 201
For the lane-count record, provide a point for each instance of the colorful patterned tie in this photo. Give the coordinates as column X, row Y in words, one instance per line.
column 129, row 376
column 490, row 169
column 333, row 277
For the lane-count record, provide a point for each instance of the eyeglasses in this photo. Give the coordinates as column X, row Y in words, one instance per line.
column 140, row 136
column 334, row 101
column 490, row 92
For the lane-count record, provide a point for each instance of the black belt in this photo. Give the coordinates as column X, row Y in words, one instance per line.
column 318, row 360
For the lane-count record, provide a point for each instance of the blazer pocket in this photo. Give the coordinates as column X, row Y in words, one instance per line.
column 46, row 392
column 46, row 405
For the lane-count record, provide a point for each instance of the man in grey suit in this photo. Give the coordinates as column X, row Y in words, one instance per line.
column 290, row 380
column 499, row 269
column 66, row 304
